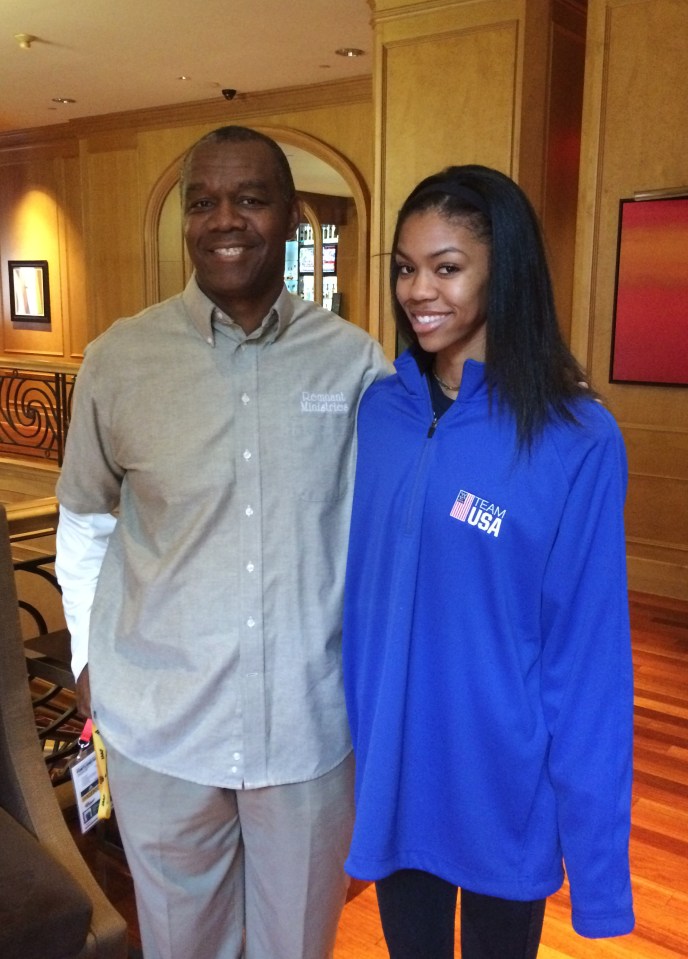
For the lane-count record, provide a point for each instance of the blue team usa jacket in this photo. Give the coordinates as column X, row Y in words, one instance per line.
column 486, row 650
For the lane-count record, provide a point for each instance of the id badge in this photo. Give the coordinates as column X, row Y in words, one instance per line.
column 86, row 789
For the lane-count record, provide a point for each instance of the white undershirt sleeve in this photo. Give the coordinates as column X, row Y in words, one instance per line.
column 81, row 542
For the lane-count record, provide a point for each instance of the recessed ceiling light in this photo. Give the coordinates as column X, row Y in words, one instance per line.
column 182, row 77
column 349, row 52
column 63, row 100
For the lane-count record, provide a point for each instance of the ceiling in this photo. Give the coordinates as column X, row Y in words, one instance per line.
column 131, row 55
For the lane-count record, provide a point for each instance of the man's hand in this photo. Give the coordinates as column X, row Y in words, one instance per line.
column 83, row 693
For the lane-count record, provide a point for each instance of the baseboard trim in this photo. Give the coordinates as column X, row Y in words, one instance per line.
column 658, row 578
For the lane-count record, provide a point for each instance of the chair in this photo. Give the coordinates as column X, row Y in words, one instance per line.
column 32, row 526
column 51, row 907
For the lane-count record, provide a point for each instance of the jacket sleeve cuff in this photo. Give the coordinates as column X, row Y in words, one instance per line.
column 605, row 926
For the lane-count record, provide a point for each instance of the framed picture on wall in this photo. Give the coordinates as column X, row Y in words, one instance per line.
column 29, row 291
column 650, row 332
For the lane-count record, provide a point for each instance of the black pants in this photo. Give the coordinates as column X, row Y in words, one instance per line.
column 418, row 910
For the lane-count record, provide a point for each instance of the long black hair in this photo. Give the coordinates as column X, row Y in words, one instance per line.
column 528, row 366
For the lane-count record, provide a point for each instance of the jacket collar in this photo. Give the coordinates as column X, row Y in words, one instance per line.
column 412, row 368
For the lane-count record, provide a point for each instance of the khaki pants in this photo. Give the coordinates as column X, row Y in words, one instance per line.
column 221, row 873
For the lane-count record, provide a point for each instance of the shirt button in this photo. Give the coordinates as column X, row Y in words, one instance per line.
column 250, row 622
column 234, row 769
column 250, row 567
column 245, row 398
column 236, row 756
column 249, row 511
column 247, row 454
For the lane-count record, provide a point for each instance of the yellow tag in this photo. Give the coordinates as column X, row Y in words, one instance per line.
column 105, row 805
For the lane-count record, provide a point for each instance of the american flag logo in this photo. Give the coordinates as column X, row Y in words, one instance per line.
column 462, row 506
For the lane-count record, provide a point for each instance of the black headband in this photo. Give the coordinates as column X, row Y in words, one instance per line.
column 463, row 193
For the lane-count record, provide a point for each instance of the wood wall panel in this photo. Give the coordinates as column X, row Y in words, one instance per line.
column 458, row 129
column 31, row 230
column 564, row 113
column 115, row 245
column 437, row 70
column 496, row 82
column 660, row 451
column 635, row 138
column 73, row 260
column 427, row 128
column 658, row 570
column 656, row 506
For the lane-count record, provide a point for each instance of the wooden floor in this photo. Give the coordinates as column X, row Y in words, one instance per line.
column 659, row 842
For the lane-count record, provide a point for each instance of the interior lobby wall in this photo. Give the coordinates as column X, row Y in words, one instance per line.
column 95, row 178
column 41, row 219
column 494, row 82
column 635, row 138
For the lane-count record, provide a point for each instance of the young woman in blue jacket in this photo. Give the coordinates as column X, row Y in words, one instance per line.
column 486, row 643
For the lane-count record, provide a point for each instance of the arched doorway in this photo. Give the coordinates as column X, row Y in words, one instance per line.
column 332, row 190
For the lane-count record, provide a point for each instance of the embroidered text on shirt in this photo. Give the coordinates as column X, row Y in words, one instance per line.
column 323, row 402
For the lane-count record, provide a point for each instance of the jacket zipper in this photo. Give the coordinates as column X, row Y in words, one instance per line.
column 420, row 472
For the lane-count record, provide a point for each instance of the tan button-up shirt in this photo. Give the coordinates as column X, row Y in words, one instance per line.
column 214, row 647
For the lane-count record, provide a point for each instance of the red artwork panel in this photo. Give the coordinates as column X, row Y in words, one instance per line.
column 650, row 342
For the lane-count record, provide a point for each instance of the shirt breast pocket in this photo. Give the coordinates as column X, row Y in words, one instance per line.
column 321, row 455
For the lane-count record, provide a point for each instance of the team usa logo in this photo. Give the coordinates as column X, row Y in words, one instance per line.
column 471, row 509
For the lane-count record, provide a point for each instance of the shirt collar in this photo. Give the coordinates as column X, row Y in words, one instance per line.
column 205, row 315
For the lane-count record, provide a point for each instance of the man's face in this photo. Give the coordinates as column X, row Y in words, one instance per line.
column 236, row 222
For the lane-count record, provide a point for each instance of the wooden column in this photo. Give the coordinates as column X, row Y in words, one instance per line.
column 470, row 81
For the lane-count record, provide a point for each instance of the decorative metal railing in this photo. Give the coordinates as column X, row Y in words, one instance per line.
column 35, row 408
column 34, row 522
